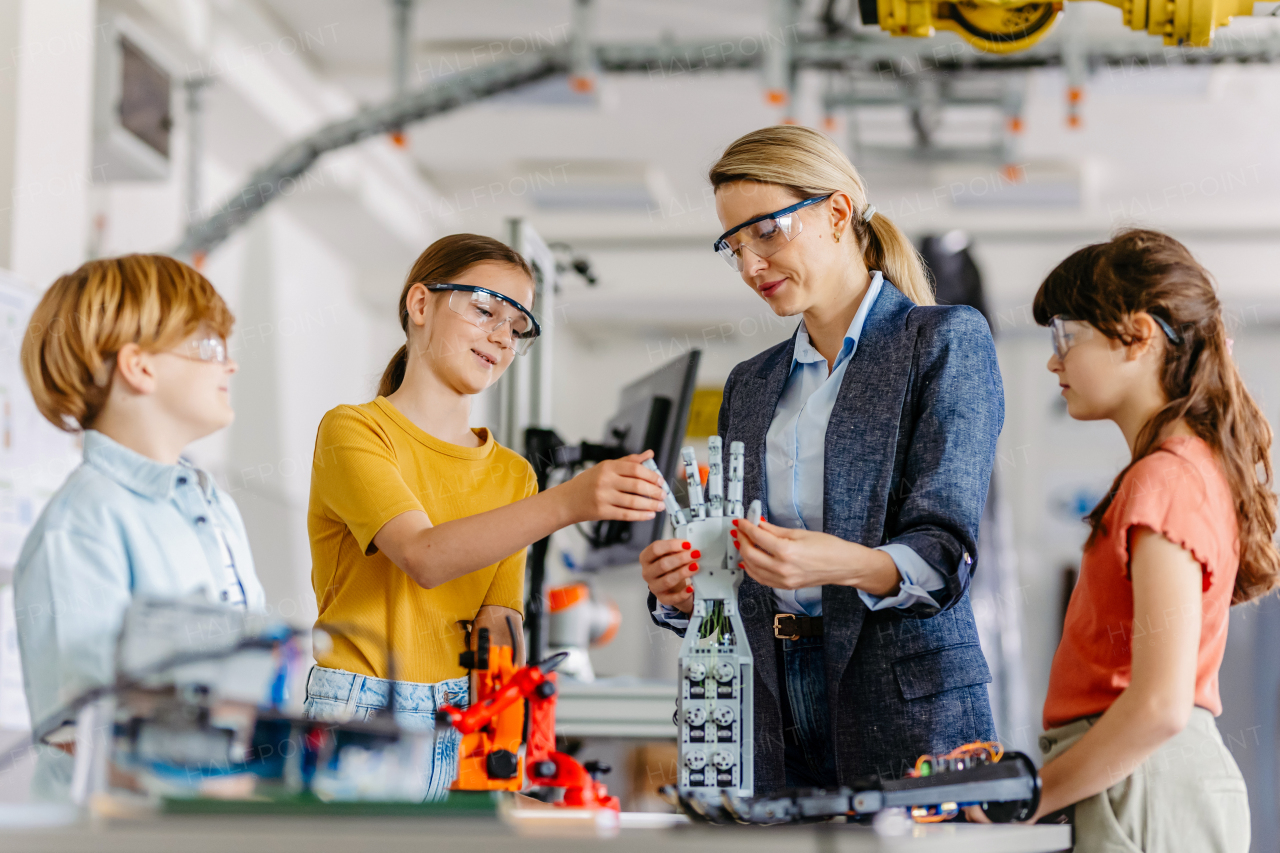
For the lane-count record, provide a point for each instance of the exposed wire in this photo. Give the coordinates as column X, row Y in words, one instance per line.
column 991, row 750
column 552, row 662
column 716, row 626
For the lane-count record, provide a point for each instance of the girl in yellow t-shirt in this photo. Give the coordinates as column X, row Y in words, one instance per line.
column 418, row 523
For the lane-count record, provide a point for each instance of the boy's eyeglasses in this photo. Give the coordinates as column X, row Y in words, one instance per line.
column 212, row 348
column 1066, row 336
column 489, row 310
column 764, row 235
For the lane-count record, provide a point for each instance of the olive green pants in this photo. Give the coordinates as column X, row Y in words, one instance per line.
column 1188, row 796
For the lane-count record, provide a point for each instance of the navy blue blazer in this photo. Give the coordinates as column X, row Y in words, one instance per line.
column 909, row 451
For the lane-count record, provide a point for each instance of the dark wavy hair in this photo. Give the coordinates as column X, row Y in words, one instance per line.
column 444, row 260
column 1138, row 270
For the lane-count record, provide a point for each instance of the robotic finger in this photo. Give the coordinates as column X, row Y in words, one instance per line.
column 674, row 510
column 737, row 456
column 715, row 479
column 697, row 508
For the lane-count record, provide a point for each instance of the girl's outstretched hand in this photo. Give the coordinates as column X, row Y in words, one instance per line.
column 615, row 490
column 667, row 566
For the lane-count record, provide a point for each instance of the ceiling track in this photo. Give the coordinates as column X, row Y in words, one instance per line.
column 267, row 183
column 665, row 58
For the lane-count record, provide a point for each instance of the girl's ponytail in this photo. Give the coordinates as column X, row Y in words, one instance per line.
column 1217, row 403
column 393, row 376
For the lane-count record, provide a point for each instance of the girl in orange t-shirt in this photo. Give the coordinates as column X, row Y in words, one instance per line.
column 1184, row 532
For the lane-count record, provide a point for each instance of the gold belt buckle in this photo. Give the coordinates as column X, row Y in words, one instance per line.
column 777, row 626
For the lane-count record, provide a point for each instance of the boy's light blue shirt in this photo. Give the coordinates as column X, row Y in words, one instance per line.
column 122, row 525
column 795, row 458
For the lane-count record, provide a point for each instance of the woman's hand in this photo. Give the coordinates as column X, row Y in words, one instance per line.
column 786, row 558
column 615, row 490
column 667, row 566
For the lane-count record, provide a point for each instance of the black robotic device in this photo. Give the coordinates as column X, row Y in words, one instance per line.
column 1007, row 790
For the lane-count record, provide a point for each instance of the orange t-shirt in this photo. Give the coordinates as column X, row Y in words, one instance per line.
column 1181, row 492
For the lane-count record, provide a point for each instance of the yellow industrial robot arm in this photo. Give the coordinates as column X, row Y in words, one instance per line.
column 1007, row 26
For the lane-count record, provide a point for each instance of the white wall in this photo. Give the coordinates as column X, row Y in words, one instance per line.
column 46, row 57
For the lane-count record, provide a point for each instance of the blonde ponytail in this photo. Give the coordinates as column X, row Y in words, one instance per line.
column 887, row 249
column 808, row 163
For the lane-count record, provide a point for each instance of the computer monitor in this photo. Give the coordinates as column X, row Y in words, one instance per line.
column 653, row 414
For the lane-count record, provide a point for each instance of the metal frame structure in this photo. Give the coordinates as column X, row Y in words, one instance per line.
column 869, row 56
column 267, row 183
column 524, row 391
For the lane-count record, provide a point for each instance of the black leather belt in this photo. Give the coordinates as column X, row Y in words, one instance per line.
column 788, row 626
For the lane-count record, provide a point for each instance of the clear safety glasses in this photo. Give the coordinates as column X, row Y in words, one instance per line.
column 208, row 348
column 1067, row 333
column 764, row 235
column 490, row 311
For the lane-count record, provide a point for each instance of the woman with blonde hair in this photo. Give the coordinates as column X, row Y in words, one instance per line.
column 870, row 437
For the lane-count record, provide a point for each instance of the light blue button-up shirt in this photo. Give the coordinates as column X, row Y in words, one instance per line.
column 795, row 457
column 122, row 525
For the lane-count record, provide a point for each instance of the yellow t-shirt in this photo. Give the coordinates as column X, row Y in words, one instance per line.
column 371, row 463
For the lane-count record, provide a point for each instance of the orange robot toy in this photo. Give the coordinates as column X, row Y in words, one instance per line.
column 493, row 730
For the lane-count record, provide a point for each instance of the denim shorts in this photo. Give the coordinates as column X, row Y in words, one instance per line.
column 340, row 696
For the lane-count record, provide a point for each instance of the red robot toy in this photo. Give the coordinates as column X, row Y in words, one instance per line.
column 492, row 729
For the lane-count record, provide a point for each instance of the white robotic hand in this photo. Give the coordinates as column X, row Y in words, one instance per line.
column 714, row 706
column 706, row 525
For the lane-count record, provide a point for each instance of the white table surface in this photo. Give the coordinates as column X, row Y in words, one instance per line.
column 234, row 834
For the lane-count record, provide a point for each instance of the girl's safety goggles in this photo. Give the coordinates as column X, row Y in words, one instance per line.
column 489, row 310
column 1067, row 332
column 764, row 235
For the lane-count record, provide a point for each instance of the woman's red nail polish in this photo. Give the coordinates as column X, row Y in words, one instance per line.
column 735, row 522
column 742, row 565
column 693, row 568
column 685, row 545
column 695, row 554
column 762, row 518
column 688, row 589
column 733, row 533
column 736, row 545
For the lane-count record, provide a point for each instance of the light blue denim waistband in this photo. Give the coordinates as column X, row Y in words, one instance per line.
column 340, row 696
column 364, row 691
